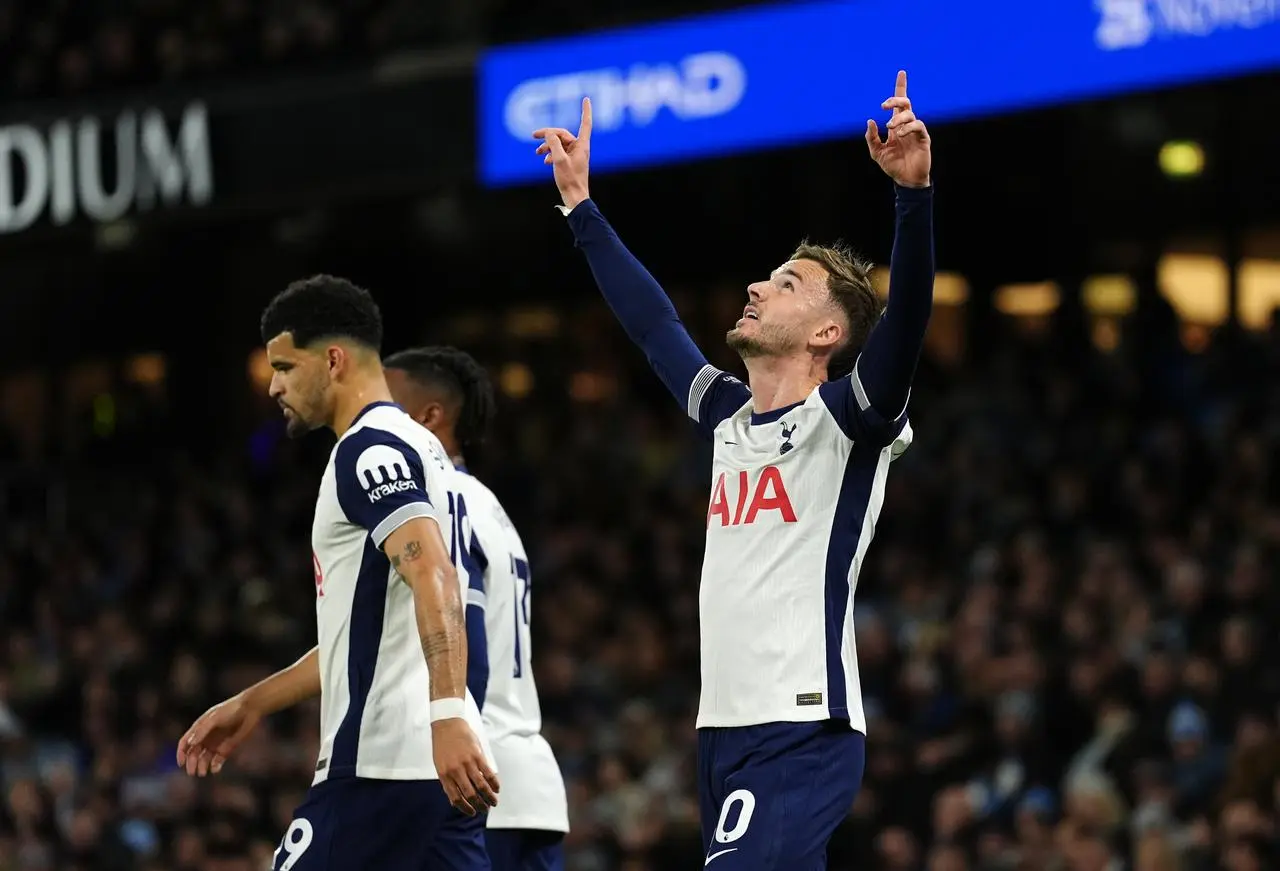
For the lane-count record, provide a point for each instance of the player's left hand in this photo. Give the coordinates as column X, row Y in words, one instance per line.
column 204, row 749
column 569, row 157
column 468, row 781
column 905, row 154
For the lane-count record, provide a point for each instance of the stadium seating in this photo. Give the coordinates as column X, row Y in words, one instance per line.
column 1062, row 628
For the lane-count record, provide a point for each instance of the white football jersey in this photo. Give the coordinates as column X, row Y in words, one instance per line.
column 795, row 497
column 375, row 716
column 533, row 794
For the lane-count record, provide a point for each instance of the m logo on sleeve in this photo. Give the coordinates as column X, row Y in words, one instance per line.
column 383, row 470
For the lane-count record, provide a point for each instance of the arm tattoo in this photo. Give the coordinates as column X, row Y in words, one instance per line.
column 440, row 617
column 445, row 649
column 412, row 552
column 434, row 645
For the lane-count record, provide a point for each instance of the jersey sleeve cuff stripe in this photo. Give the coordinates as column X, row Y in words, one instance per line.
column 476, row 598
column 859, row 392
column 864, row 402
column 399, row 518
column 701, row 383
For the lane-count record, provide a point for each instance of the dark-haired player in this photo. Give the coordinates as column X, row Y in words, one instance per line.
column 448, row 392
column 799, row 468
column 399, row 731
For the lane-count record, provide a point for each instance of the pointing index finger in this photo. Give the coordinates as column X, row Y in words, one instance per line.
column 584, row 129
column 900, row 88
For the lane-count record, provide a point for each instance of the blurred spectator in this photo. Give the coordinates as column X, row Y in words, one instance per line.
column 64, row 48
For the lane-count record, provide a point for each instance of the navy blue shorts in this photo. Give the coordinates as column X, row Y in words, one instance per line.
column 354, row 824
column 459, row 845
column 772, row 795
column 525, row 849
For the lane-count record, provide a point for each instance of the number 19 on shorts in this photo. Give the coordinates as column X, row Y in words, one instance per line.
column 293, row 845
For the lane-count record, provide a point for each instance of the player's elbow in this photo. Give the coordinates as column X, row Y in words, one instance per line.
column 418, row 554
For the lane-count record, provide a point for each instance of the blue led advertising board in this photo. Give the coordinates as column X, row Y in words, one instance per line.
column 777, row 75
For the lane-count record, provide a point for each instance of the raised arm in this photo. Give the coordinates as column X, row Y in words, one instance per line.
column 872, row 404
column 884, row 371
column 641, row 305
column 639, row 302
column 883, row 374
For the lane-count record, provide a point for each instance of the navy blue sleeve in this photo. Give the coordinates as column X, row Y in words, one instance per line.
column 381, row 482
column 476, row 564
column 872, row 401
column 650, row 320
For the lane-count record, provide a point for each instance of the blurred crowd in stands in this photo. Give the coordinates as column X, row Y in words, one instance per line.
column 65, row 48
column 1065, row 625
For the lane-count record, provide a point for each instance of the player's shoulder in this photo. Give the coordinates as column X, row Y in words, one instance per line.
column 482, row 500
column 475, row 490
column 818, row 403
column 716, row 394
column 730, row 387
column 729, row 381
column 840, row 403
column 384, row 434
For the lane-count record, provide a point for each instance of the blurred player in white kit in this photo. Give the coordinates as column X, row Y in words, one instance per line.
column 450, row 394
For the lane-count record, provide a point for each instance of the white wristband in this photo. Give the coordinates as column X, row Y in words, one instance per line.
column 448, row 709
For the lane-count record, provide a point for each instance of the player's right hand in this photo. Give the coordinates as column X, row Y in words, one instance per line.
column 906, row 155
column 215, row 734
column 569, row 156
column 468, row 781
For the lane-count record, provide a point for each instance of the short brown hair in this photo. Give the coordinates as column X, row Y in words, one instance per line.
column 849, row 281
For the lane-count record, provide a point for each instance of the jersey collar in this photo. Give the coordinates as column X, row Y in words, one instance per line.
column 370, row 407
column 771, row 416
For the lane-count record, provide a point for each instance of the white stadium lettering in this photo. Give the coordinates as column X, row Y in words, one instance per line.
column 701, row 85
column 1126, row 24
column 103, row 168
column 383, row 470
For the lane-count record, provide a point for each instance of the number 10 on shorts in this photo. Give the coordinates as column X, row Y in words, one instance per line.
column 745, row 804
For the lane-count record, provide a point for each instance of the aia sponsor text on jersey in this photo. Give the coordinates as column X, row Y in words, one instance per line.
column 315, row 564
column 743, row 498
